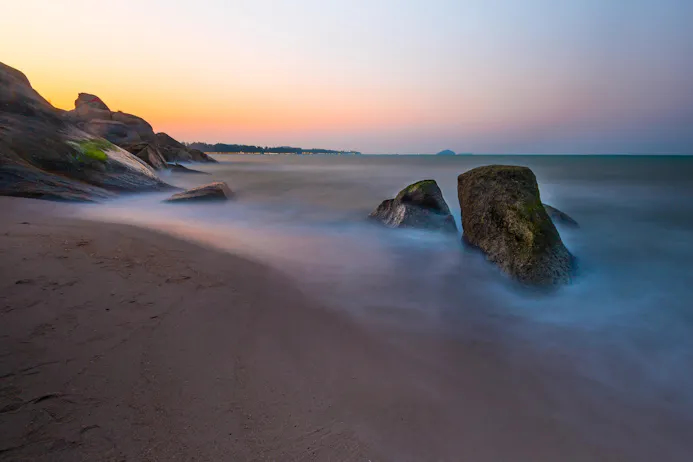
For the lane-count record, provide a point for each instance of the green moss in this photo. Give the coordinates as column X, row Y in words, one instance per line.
column 415, row 186
column 421, row 183
column 92, row 149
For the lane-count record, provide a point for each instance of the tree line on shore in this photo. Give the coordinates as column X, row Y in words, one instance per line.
column 245, row 148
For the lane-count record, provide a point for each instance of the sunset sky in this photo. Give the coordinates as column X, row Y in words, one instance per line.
column 378, row 76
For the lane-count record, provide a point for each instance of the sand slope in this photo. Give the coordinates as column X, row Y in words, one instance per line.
column 122, row 344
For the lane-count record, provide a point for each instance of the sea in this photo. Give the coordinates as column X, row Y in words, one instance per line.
column 625, row 322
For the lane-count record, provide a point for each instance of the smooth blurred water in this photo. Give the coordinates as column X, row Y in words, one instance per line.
column 627, row 321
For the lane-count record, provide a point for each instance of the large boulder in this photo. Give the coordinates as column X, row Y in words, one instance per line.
column 43, row 154
column 90, row 101
column 209, row 192
column 173, row 151
column 93, row 116
column 419, row 205
column 502, row 215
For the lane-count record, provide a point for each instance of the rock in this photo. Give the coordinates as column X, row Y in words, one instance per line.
column 199, row 156
column 117, row 127
column 24, row 180
column 209, row 192
column 99, row 162
column 19, row 99
column 86, row 99
column 558, row 216
column 129, row 132
column 178, row 168
column 502, row 215
column 147, row 152
column 446, row 152
column 43, row 154
column 419, row 205
column 173, row 151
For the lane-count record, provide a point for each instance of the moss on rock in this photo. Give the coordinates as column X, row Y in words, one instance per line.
column 92, row 148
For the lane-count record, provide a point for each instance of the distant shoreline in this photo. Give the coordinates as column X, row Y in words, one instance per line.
column 336, row 153
column 436, row 156
column 224, row 148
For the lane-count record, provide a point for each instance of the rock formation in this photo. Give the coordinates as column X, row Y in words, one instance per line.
column 502, row 215
column 209, row 192
column 93, row 116
column 178, row 168
column 147, row 152
column 131, row 133
column 419, row 205
column 173, row 151
column 44, row 154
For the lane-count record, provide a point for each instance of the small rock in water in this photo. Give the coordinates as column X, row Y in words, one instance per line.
column 419, row 205
column 209, row 192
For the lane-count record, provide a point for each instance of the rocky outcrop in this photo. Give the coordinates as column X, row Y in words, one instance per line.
column 93, row 116
column 559, row 217
column 178, row 168
column 130, row 132
column 173, row 151
column 209, row 192
column 21, row 179
column 43, row 154
column 502, row 215
column 91, row 101
column 147, row 152
column 419, row 205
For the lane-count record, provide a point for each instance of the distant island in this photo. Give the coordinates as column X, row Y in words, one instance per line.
column 448, row 152
column 249, row 149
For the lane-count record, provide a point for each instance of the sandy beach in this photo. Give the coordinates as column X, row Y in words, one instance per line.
column 119, row 343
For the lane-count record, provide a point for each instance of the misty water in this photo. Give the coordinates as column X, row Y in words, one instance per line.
column 626, row 322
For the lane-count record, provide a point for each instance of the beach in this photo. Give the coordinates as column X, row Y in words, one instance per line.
column 346, row 231
column 121, row 343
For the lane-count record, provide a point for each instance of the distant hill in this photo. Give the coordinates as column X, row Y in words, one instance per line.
column 446, row 152
column 249, row 149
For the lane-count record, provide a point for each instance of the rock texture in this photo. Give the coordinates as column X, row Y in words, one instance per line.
column 24, row 180
column 173, row 151
column 502, row 215
column 43, row 154
column 93, row 116
column 178, row 168
column 419, row 205
column 147, row 152
column 209, row 192
column 92, row 101
column 560, row 217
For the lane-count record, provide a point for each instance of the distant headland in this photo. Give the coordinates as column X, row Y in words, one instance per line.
column 249, row 149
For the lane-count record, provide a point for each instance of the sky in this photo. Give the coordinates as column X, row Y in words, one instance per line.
column 377, row 76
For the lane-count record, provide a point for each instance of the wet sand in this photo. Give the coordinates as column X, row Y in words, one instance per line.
column 118, row 343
